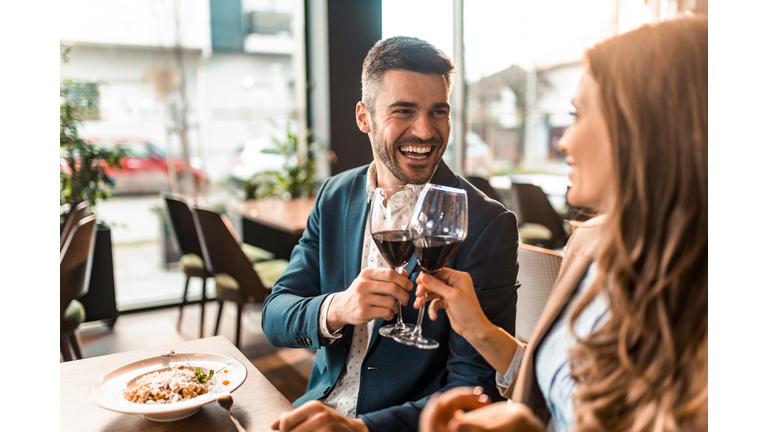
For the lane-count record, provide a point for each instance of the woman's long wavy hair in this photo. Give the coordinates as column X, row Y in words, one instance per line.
column 646, row 368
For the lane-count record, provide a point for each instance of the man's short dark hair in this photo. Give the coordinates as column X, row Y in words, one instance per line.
column 402, row 53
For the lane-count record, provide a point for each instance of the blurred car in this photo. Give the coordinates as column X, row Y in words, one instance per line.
column 249, row 159
column 145, row 167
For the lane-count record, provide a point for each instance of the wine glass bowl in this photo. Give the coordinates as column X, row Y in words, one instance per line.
column 388, row 225
column 438, row 226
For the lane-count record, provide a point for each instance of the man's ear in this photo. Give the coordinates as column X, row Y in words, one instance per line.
column 363, row 118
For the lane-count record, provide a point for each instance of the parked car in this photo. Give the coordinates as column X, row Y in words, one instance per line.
column 145, row 168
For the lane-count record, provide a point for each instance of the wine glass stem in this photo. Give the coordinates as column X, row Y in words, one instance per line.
column 417, row 330
column 399, row 324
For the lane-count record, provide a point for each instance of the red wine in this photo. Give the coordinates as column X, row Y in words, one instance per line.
column 434, row 252
column 396, row 246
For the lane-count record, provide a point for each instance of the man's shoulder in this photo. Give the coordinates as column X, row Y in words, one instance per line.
column 342, row 180
column 481, row 207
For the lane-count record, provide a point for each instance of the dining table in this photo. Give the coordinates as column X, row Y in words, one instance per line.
column 273, row 224
column 257, row 403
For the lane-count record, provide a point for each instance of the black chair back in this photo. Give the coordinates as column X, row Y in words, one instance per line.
column 485, row 187
column 75, row 261
column 531, row 205
column 182, row 226
column 222, row 254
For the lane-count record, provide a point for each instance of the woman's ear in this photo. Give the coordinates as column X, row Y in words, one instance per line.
column 363, row 118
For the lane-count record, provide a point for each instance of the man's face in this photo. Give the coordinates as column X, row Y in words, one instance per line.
column 409, row 128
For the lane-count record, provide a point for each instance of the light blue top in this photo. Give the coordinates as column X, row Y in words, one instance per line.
column 553, row 368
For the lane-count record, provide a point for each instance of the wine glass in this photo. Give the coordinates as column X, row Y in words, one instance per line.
column 438, row 227
column 389, row 218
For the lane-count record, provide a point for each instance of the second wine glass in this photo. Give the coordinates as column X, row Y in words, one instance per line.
column 389, row 218
column 438, row 227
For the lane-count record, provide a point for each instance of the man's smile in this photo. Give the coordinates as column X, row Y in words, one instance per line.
column 417, row 152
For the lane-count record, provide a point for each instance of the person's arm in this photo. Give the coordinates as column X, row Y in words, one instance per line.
column 291, row 312
column 491, row 260
column 453, row 291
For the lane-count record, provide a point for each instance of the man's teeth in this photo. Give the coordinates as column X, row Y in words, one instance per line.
column 415, row 149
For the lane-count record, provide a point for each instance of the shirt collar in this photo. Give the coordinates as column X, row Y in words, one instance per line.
column 371, row 184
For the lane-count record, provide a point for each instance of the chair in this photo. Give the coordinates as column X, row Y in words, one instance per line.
column 531, row 206
column 70, row 220
column 185, row 240
column 74, row 275
column 184, row 235
column 237, row 279
column 538, row 272
column 485, row 187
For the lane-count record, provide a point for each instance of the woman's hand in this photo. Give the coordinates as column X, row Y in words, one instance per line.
column 453, row 291
column 442, row 408
column 462, row 410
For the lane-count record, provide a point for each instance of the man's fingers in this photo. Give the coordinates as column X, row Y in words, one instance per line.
column 388, row 275
column 290, row 420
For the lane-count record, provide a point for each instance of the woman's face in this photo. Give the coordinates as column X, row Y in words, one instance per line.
column 587, row 147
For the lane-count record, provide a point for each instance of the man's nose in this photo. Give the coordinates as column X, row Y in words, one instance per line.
column 422, row 127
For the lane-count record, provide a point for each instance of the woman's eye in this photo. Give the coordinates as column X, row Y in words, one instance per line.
column 574, row 114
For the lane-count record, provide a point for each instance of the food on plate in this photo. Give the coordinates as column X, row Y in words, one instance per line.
column 175, row 384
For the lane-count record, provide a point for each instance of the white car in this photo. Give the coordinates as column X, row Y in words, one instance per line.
column 250, row 160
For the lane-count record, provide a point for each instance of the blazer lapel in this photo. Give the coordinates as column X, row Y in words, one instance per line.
column 355, row 213
column 444, row 176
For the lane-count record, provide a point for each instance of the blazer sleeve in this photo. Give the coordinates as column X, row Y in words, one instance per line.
column 290, row 313
column 492, row 262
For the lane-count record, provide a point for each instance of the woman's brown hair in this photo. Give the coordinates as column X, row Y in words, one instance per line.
column 645, row 369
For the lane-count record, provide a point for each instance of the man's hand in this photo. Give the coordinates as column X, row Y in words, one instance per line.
column 369, row 297
column 316, row 416
column 458, row 410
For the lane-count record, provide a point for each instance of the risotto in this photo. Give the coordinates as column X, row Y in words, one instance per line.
column 175, row 384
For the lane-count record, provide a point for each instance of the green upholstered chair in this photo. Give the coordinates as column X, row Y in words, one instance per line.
column 237, row 279
column 74, row 275
column 187, row 243
column 184, row 237
column 538, row 222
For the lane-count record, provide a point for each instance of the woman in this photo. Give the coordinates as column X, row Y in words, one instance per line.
column 622, row 342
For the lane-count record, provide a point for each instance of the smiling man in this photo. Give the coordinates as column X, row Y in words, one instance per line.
column 338, row 291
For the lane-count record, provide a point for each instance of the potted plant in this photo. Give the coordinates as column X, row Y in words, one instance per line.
column 83, row 177
column 296, row 178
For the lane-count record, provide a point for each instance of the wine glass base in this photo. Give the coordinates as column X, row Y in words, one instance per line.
column 417, row 341
column 390, row 330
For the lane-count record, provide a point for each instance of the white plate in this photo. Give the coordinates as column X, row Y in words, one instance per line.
column 107, row 391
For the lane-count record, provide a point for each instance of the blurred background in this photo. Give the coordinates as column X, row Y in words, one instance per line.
column 194, row 91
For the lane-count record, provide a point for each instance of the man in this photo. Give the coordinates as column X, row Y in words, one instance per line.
column 335, row 294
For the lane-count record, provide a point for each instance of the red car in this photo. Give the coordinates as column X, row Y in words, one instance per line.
column 145, row 168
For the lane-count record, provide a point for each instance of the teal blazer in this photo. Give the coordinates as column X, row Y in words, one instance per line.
column 396, row 380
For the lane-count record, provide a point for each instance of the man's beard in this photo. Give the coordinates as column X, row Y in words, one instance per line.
column 387, row 155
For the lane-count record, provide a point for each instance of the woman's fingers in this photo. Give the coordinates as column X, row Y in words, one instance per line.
column 434, row 307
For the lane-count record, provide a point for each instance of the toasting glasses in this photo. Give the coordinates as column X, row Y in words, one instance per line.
column 390, row 215
column 438, row 226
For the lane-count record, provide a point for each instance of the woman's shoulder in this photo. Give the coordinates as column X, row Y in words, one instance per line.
column 585, row 236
